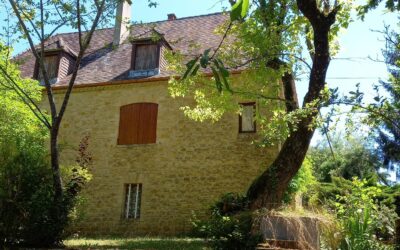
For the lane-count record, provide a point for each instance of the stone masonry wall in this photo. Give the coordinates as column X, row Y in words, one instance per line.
column 188, row 169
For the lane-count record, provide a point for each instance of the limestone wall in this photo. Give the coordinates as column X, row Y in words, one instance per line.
column 190, row 166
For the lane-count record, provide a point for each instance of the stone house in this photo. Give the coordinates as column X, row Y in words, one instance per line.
column 152, row 166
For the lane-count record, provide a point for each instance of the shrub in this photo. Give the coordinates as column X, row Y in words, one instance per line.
column 28, row 214
column 364, row 221
column 301, row 182
column 229, row 225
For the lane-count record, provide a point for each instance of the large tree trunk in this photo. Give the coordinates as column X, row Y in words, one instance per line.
column 268, row 189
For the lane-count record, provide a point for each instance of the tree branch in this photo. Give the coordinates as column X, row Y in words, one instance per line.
column 25, row 30
column 77, row 64
column 26, row 99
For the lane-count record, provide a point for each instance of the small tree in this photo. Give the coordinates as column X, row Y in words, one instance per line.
column 36, row 22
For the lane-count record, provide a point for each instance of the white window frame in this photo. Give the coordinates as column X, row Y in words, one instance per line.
column 129, row 196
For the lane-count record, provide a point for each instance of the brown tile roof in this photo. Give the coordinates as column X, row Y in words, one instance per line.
column 103, row 63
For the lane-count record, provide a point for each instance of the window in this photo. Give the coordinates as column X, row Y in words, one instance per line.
column 133, row 199
column 247, row 123
column 138, row 123
column 51, row 65
column 146, row 56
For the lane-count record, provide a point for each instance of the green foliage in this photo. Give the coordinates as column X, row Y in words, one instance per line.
column 229, row 225
column 153, row 243
column 352, row 158
column 16, row 118
column 256, row 35
column 239, row 10
column 26, row 196
column 388, row 137
column 301, row 182
column 231, row 203
column 362, row 218
column 391, row 5
column 28, row 214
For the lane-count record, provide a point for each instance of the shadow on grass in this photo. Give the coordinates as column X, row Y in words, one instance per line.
column 137, row 243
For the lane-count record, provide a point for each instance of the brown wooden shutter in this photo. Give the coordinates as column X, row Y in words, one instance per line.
column 51, row 66
column 138, row 124
column 146, row 57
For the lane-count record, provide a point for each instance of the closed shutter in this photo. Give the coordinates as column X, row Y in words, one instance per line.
column 138, row 124
column 51, row 66
column 247, row 122
column 146, row 57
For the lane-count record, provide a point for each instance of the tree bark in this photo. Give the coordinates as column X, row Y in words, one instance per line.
column 55, row 165
column 267, row 190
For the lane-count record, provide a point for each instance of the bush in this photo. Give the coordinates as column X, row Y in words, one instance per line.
column 301, row 182
column 229, row 225
column 364, row 214
column 365, row 222
column 29, row 216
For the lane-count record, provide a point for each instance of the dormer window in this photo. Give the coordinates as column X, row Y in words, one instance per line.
column 146, row 57
column 51, row 64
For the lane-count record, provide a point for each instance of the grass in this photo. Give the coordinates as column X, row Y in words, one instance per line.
column 137, row 243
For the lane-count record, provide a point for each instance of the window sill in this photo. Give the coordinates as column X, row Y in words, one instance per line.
column 247, row 135
column 52, row 81
column 143, row 73
column 137, row 145
column 130, row 220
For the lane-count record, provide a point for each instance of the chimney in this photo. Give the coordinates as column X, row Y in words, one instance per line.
column 122, row 22
column 171, row 17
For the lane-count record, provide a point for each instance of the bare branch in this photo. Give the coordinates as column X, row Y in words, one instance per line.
column 222, row 40
column 36, row 55
column 77, row 64
column 78, row 16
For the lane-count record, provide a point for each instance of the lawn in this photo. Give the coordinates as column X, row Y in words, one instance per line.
column 136, row 243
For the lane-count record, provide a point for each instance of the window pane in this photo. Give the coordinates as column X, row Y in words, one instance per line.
column 248, row 118
column 133, row 193
column 146, row 57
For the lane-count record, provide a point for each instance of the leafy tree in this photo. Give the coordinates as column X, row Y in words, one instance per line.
column 267, row 44
column 382, row 115
column 389, row 132
column 36, row 22
column 351, row 157
column 28, row 214
column 16, row 119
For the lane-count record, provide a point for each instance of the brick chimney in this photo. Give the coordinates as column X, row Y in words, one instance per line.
column 122, row 22
column 171, row 17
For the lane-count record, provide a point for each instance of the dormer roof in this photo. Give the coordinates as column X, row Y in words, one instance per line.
column 57, row 43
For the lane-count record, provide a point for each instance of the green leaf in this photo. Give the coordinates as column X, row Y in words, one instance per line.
column 239, row 9
column 224, row 73
column 194, row 72
column 220, row 65
column 218, row 83
column 205, row 58
column 245, row 8
column 189, row 67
